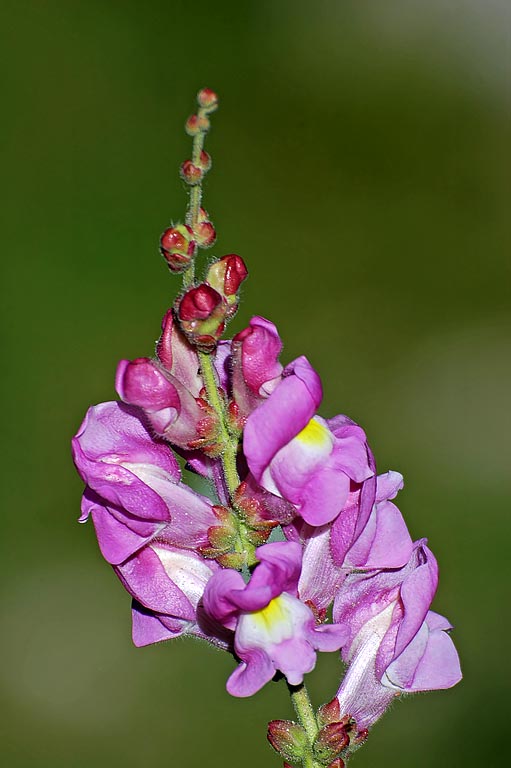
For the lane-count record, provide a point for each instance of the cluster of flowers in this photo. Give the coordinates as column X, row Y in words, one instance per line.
column 298, row 520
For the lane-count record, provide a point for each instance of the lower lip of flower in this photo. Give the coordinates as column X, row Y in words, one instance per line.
column 270, row 625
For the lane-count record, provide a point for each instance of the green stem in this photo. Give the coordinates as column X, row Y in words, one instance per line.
column 192, row 213
column 307, row 719
column 230, row 444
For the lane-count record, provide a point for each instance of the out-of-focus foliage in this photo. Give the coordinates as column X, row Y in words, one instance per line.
column 361, row 168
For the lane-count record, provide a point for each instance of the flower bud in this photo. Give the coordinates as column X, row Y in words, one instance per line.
column 202, row 312
column 178, row 247
column 190, row 173
column 226, row 276
column 205, row 234
column 204, row 161
column 288, row 739
column 208, row 99
column 330, row 741
column 196, row 124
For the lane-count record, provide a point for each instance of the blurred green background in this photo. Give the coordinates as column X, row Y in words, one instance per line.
column 361, row 168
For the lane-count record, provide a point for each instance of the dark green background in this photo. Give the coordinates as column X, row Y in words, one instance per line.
column 361, row 168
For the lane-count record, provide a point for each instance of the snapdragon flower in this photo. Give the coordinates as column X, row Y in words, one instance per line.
column 273, row 629
column 310, row 461
column 133, row 491
column 395, row 643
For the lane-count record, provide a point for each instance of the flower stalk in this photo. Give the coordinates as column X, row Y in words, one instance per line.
column 306, row 717
column 206, row 566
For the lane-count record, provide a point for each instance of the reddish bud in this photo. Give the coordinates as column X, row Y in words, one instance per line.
column 235, row 273
column 205, row 234
column 226, row 276
column 197, row 124
column 191, row 173
column 338, row 763
column 207, row 98
column 178, row 247
column 288, row 739
column 204, row 161
column 201, row 312
column 199, row 303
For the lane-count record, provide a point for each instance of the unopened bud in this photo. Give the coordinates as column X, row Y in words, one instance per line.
column 205, row 234
column 288, row 739
column 201, row 312
column 204, row 161
column 191, row 173
column 330, row 741
column 197, row 124
column 208, row 99
column 177, row 246
column 226, row 276
column 338, row 763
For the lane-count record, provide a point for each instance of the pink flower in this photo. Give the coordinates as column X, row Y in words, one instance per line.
column 273, row 629
column 309, row 461
column 255, row 365
column 331, row 551
column 167, row 584
column 395, row 643
column 133, row 488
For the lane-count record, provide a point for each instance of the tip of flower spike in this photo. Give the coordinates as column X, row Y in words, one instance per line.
column 197, row 124
column 207, row 98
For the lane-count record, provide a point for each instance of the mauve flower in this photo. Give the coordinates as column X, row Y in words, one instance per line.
column 167, row 584
column 170, row 408
column 384, row 542
column 309, row 461
column 133, row 488
column 177, row 356
column 255, row 364
column 395, row 643
column 273, row 629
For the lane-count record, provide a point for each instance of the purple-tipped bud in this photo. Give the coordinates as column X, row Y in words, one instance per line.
column 177, row 246
column 201, row 313
column 288, row 739
column 196, row 124
column 226, row 276
column 330, row 741
column 208, row 99
column 191, row 173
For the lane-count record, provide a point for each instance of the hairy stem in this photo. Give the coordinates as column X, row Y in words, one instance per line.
column 306, row 717
column 192, row 213
column 230, row 443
